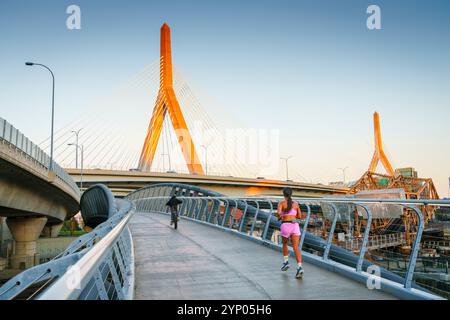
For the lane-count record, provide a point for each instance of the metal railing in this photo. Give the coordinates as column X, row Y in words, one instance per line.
column 14, row 138
column 254, row 219
column 377, row 241
column 97, row 265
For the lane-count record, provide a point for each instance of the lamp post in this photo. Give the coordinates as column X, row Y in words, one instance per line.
column 343, row 172
column 82, row 161
column 206, row 158
column 53, row 109
column 77, row 132
column 287, row 169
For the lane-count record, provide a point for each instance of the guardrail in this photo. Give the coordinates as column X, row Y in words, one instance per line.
column 254, row 219
column 378, row 241
column 18, row 140
column 97, row 265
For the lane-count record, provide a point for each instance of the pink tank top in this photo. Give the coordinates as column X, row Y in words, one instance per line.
column 292, row 212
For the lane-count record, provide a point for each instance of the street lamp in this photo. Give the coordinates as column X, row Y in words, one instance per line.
column 53, row 109
column 76, row 149
column 206, row 158
column 343, row 172
column 287, row 170
column 82, row 161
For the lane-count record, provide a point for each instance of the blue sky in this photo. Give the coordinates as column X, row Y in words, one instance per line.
column 308, row 68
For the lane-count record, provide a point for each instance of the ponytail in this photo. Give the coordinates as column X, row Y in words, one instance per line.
column 287, row 193
column 289, row 204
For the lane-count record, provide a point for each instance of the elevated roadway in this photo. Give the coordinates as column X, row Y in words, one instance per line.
column 123, row 182
column 33, row 197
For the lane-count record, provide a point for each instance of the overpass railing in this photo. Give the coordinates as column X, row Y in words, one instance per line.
column 96, row 266
column 322, row 240
column 16, row 139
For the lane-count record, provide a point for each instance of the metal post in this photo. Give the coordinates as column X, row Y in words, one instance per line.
column 308, row 215
column 330, row 235
column 343, row 172
column 82, row 162
column 254, row 218
column 213, row 204
column 233, row 214
column 203, row 209
column 365, row 238
column 53, row 120
column 243, row 217
column 82, row 166
column 266, row 227
column 53, row 109
column 225, row 213
column 415, row 248
column 76, row 142
column 287, row 170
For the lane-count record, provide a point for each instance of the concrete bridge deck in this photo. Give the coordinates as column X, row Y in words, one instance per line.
column 201, row 262
column 123, row 182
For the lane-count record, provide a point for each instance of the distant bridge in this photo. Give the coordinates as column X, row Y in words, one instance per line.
column 123, row 182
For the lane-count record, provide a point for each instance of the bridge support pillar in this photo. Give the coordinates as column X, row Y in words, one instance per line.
column 25, row 232
column 53, row 230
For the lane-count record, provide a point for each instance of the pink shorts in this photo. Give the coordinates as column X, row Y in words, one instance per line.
column 289, row 229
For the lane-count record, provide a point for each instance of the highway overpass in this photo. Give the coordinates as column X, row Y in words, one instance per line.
column 32, row 198
column 122, row 183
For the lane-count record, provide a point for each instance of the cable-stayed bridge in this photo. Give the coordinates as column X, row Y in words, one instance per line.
column 182, row 143
column 181, row 135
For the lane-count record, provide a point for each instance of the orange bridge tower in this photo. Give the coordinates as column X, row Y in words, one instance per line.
column 166, row 102
column 379, row 154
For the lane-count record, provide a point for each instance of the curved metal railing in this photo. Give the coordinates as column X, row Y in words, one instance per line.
column 97, row 265
column 16, row 139
column 254, row 219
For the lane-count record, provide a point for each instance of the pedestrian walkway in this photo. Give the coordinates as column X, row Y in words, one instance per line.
column 202, row 262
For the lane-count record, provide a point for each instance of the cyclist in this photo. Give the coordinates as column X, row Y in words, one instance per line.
column 173, row 205
column 288, row 211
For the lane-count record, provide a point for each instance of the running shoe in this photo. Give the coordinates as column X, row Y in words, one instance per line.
column 285, row 266
column 300, row 272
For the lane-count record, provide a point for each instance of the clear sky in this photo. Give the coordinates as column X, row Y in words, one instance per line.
column 310, row 69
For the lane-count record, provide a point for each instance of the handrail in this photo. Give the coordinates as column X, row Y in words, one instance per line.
column 434, row 202
column 105, row 252
column 87, row 267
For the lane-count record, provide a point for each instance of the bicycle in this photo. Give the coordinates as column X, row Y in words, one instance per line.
column 174, row 219
column 173, row 205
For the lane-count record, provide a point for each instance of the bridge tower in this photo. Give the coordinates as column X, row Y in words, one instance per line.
column 379, row 154
column 166, row 102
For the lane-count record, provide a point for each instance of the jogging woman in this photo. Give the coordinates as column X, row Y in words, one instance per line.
column 288, row 211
